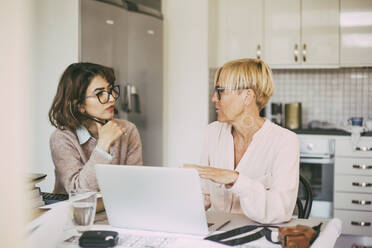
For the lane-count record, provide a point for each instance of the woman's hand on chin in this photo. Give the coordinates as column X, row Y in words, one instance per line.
column 108, row 134
column 222, row 176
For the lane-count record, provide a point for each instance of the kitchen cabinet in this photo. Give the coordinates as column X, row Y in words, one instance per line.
column 301, row 33
column 355, row 32
column 351, row 220
column 353, row 186
column 352, row 190
column 282, row 32
column 239, row 30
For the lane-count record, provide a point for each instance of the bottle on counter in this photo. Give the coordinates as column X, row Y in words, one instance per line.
column 277, row 113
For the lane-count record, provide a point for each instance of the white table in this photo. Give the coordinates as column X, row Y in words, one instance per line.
column 331, row 230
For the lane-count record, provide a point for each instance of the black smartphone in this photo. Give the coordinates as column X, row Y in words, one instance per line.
column 99, row 238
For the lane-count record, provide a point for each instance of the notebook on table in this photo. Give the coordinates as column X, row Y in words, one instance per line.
column 155, row 199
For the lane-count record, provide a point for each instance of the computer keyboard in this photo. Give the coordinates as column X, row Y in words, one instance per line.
column 50, row 198
column 127, row 240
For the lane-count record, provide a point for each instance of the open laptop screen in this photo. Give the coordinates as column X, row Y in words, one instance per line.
column 153, row 198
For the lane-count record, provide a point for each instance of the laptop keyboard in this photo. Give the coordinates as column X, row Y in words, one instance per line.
column 139, row 241
column 56, row 197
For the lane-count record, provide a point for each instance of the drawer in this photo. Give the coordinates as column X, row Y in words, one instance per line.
column 354, row 166
column 355, row 222
column 350, row 183
column 353, row 201
column 363, row 149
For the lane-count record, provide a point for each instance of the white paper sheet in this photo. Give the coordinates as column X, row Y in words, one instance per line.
column 45, row 231
column 328, row 236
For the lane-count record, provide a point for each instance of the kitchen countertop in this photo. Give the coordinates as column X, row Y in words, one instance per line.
column 320, row 131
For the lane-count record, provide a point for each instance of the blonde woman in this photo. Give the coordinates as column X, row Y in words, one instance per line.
column 250, row 165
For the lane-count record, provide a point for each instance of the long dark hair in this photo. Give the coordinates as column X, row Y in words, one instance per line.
column 64, row 112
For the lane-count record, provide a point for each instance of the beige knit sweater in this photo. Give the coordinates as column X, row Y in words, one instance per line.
column 75, row 163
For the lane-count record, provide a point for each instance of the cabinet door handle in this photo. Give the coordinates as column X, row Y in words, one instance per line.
column 361, row 202
column 360, row 223
column 304, row 53
column 363, row 185
column 362, row 167
column 258, row 53
column 363, row 148
column 295, row 52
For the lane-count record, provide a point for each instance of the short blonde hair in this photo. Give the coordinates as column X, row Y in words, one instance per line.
column 252, row 74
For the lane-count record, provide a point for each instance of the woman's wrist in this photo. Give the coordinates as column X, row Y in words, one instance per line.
column 104, row 145
column 235, row 176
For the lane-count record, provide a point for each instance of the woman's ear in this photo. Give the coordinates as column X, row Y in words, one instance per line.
column 249, row 96
column 81, row 108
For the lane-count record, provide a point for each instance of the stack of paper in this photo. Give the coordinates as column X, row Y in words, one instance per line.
column 33, row 193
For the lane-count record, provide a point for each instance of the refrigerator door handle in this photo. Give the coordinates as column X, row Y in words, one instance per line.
column 127, row 98
column 135, row 101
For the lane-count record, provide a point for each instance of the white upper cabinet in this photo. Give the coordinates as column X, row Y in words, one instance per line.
column 356, row 32
column 301, row 33
column 282, row 32
column 320, row 32
column 239, row 30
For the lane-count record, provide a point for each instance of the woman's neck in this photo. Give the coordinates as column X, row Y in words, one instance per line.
column 244, row 128
column 92, row 128
column 93, row 131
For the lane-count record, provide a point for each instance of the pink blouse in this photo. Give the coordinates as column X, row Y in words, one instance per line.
column 266, row 189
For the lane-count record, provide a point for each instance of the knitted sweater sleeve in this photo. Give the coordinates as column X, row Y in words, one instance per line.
column 134, row 149
column 71, row 172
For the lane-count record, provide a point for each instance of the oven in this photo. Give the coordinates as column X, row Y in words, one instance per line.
column 317, row 166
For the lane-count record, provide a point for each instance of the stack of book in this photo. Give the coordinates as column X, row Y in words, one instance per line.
column 33, row 192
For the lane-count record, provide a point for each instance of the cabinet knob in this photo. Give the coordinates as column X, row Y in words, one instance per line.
column 362, row 167
column 363, row 185
column 361, row 202
column 295, row 52
column 258, row 53
column 363, row 149
column 360, row 223
column 304, row 53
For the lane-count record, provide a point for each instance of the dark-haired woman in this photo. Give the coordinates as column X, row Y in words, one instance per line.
column 86, row 134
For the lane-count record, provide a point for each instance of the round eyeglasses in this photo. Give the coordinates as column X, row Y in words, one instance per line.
column 103, row 96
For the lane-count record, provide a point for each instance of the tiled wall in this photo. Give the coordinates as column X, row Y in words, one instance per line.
column 331, row 95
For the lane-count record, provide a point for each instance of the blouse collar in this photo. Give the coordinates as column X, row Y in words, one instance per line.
column 83, row 134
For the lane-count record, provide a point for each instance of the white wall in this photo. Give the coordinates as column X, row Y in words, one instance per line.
column 55, row 46
column 186, row 79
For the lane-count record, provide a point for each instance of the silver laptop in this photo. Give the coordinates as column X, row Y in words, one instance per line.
column 155, row 198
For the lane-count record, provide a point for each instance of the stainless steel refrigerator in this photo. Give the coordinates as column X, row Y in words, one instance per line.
column 130, row 41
